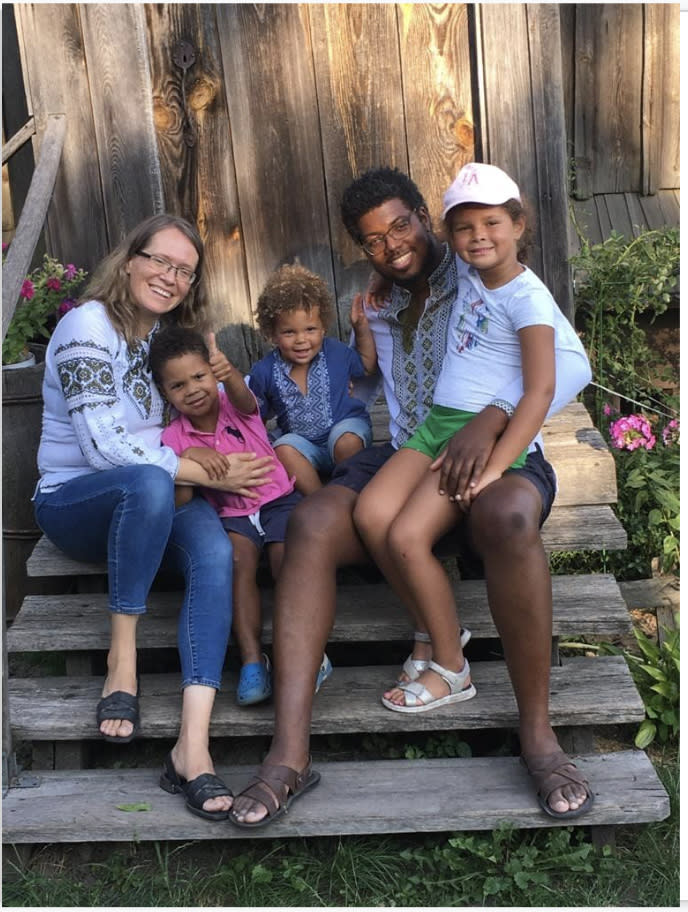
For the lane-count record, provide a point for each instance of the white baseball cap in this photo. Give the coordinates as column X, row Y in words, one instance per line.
column 480, row 183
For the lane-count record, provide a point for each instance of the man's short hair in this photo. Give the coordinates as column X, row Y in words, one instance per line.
column 373, row 188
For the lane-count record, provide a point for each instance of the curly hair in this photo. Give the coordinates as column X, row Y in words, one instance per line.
column 110, row 282
column 373, row 188
column 290, row 288
column 172, row 342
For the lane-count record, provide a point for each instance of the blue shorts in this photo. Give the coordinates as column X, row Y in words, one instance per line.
column 356, row 471
column 268, row 524
column 321, row 456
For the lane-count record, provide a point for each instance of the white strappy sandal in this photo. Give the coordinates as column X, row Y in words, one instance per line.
column 417, row 698
column 414, row 668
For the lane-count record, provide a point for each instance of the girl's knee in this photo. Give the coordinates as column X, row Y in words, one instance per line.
column 403, row 541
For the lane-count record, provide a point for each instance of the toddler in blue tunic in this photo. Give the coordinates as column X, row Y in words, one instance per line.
column 305, row 382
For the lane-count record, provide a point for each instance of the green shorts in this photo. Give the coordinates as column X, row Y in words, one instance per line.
column 439, row 427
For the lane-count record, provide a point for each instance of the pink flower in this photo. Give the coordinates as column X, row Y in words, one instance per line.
column 66, row 305
column 632, row 432
column 70, row 271
column 27, row 289
column 670, row 434
column 53, row 283
column 5, row 246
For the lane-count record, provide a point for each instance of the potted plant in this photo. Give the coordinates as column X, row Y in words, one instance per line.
column 47, row 292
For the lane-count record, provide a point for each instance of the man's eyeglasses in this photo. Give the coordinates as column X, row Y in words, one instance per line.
column 374, row 243
column 182, row 273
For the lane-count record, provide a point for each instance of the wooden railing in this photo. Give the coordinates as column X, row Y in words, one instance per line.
column 30, row 225
column 14, row 270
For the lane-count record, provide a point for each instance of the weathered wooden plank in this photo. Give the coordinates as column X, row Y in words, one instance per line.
column 15, row 142
column 619, row 215
column 366, row 612
column 505, row 86
column 31, row 221
column 57, row 81
column 652, row 210
column 361, row 110
column 438, row 103
column 351, row 798
column 670, row 207
column 116, row 53
column 586, row 691
column 603, row 215
column 651, row 593
column 197, row 160
column 661, row 94
column 551, row 156
column 593, row 527
column 635, row 213
column 270, row 88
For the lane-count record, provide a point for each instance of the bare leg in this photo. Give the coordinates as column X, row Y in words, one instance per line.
column 425, row 517
column 191, row 754
column 379, row 504
column 320, row 538
column 346, row 446
column 296, row 464
column 504, row 521
column 275, row 557
column 246, row 622
column 121, row 664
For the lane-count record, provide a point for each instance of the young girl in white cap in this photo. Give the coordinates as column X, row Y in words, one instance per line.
column 504, row 329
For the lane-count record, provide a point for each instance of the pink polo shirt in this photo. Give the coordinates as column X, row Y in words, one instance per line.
column 235, row 433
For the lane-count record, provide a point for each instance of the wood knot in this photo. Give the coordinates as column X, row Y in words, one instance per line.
column 463, row 131
column 202, row 94
column 165, row 116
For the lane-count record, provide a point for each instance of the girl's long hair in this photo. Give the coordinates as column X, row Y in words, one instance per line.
column 111, row 286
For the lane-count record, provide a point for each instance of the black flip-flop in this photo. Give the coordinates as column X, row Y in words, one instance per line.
column 119, row 705
column 197, row 791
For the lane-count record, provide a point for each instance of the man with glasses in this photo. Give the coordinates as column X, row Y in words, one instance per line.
column 385, row 213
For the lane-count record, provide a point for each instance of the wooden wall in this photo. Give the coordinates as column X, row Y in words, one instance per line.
column 271, row 110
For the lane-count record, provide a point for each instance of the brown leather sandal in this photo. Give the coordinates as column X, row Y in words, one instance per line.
column 552, row 771
column 275, row 787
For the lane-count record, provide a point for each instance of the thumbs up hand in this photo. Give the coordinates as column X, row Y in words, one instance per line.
column 220, row 366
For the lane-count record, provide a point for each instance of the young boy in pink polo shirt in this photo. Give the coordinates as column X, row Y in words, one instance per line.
column 213, row 423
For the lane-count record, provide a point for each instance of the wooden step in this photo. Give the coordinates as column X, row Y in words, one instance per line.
column 584, row 691
column 379, row 796
column 586, row 604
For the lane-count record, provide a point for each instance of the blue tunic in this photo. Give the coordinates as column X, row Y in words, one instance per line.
column 327, row 400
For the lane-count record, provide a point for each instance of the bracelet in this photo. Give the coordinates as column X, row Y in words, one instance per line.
column 504, row 405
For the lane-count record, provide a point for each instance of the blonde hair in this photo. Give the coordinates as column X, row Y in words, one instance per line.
column 110, row 282
column 289, row 288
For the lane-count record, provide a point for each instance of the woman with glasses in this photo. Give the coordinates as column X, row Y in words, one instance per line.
column 106, row 488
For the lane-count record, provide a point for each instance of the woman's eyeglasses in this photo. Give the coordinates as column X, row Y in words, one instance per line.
column 182, row 273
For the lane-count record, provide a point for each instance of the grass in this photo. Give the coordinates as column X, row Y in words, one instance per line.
column 547, row 867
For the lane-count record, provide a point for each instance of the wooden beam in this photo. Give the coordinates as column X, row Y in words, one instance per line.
column 17, row 141
column 32, row 217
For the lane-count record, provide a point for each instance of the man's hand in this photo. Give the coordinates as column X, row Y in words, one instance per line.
column 462, row 463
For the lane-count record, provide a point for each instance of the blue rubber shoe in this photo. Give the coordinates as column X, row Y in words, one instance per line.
column 324, row 672
column 255, row 682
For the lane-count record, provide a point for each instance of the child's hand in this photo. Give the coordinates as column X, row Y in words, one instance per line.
column 220, row 366
column 215, row 464
column 358, row 316
column 377, row 292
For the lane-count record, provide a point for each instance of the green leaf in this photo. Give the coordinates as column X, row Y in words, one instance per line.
column 136, row 806
column 646, row 734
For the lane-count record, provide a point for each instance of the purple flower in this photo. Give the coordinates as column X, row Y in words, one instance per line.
column 70, row 271
column 27, row 289
column 53, row 283
column 5, row 246
column 670, row 434
column 66, row 305
column 632, row 432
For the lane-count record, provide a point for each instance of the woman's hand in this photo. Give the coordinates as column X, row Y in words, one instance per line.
column 216, row 464
column 245, row 472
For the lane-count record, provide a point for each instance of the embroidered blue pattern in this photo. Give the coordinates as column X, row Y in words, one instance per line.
column 310, row 415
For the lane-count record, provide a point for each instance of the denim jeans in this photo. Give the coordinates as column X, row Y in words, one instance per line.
column 126, row 516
